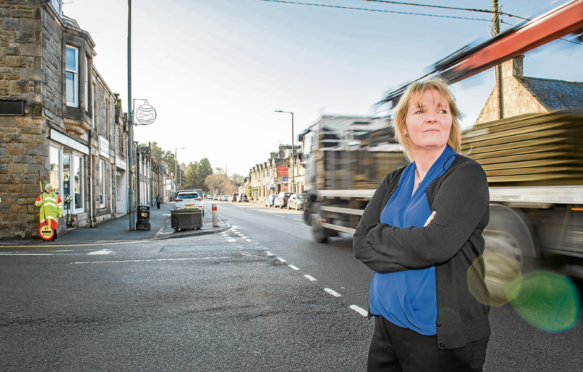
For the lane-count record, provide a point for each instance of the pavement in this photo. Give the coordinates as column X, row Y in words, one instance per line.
column 117, row 231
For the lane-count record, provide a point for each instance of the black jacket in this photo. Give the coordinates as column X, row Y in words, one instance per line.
column 452, row 242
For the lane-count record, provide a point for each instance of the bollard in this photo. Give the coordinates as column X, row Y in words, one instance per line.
column 215, row 216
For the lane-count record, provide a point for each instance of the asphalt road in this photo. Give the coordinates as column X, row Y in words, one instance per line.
column 261, row 297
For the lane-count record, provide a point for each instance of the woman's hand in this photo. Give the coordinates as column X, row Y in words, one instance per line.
column 430, row 219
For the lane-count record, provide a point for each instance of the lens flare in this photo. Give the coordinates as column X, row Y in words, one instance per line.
column 547, row 300
column 500, row 272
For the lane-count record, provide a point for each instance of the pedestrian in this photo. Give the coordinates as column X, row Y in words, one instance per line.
column 421, row 234
column 51, row 208
column 157, row 201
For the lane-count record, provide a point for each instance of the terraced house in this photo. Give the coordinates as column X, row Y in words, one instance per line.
column 59, row 121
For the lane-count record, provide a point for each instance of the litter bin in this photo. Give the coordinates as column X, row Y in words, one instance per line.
column 143, row 218
column 185, row 219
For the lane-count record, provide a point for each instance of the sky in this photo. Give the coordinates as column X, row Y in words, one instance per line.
column 216, row 70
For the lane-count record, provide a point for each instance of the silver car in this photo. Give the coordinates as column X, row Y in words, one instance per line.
column 296, row 201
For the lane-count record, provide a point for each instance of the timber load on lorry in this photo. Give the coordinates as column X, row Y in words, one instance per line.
column 528, row 150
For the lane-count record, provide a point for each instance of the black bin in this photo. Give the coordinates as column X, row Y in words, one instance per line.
column 186, row 219
column 143, row 218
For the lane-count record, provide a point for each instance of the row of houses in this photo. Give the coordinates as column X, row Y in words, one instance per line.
column 61, row 123
column 276, row 174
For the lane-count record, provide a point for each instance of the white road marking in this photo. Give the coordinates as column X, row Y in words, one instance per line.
column 100, row 252
column 310, row 277
column 359, row 310
column 155, row 260
column 281, row 259
column 269, row 253
column 333, row 292
column 231, row 240
column 249, row 240
column 293, row 267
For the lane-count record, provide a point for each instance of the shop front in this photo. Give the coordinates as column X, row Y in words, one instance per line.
column 67, row 174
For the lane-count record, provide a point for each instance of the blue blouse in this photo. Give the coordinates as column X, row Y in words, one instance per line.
column 408, row 299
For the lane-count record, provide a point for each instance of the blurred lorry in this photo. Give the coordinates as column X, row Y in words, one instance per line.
column 534, row 163
column 346, row 158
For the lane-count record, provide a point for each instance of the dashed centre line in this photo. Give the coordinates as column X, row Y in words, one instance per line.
column 281, row 259
column 333, row 292
column 359, row 310
column 311, row 278
column 293, row 267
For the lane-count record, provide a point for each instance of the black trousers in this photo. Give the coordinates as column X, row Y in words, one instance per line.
column 396, row 349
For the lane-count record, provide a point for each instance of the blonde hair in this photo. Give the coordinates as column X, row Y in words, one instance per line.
column 415, row 92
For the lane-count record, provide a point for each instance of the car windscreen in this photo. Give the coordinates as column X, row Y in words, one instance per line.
column 301, row 196
column 288, row 194
column 187, row 196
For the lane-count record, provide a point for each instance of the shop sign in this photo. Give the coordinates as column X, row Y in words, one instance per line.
column 120, row 163
column 284, row 179
column 282, row 170
column 68, row 141
column 103, row 147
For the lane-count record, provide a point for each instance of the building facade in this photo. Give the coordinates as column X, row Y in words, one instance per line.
column 273, row 175
column 59, row 122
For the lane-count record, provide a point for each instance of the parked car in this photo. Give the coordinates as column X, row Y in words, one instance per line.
column 233, row 197
column 296, row 201
column 224, row 198
column 269, row 200
column 216, row 197
column 186, row 200
column 243, row 198
column 281, row 199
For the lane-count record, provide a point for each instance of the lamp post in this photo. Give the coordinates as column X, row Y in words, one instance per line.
column 176, row 165
column 292, row 178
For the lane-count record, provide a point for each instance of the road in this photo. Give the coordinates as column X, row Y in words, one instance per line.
column 261, row 297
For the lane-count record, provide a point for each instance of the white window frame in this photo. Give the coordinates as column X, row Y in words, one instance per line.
column 93, row 106
column 86, row 83
column 58, row 6
column 60, row 176
column 76, row 158
column 75, row 102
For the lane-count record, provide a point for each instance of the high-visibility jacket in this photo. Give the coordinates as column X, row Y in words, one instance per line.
column 53, row 206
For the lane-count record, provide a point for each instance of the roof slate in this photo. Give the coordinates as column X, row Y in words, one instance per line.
column 555, row 94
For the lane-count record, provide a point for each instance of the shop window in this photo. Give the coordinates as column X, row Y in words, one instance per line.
column 66, row 175
column 55, row 168
column 78, row 167
column 72, row 76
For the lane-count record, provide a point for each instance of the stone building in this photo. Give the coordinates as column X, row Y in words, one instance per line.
column 264, row 179
column 58, row 119
column 523, row 95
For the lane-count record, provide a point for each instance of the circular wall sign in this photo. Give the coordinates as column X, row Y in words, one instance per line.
column 146, row 114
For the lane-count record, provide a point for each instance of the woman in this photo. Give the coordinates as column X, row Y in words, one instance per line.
column 421, row 235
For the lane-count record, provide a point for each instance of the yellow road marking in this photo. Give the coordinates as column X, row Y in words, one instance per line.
column 69, row 245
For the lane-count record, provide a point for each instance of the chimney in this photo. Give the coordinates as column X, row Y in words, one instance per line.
column 514, row 67
column 273, row 155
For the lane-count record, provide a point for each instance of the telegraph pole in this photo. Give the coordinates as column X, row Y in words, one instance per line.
column 495, row 31
column 130, row 123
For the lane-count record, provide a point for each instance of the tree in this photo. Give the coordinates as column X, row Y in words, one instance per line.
column 215, row 181
column 157, row 153
column 237, row 178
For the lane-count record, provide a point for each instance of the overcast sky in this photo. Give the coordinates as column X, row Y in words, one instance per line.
column 215, row 70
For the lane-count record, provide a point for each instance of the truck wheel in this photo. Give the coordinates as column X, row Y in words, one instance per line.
column 320, row 234
column 510, row 251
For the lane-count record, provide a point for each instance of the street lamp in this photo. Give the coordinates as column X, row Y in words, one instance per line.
column 176, row 164
column 291, row 181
